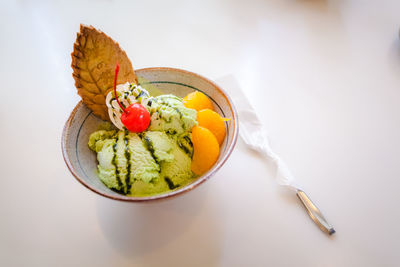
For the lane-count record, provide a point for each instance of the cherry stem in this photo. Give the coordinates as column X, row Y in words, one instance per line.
column 115, row 87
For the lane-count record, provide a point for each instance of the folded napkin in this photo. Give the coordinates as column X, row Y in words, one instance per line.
column 254, row 133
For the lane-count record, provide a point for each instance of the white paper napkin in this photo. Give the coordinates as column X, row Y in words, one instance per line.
column 253, row 132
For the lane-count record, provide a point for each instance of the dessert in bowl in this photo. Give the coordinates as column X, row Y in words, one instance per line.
column 163, row 160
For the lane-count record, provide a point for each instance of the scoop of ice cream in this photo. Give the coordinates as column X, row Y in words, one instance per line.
column 141, row 165
column 168, row 114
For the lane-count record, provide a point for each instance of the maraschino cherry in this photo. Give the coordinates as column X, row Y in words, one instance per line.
column 136, row 118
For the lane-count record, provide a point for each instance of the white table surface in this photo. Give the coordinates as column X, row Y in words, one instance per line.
column 325, row 79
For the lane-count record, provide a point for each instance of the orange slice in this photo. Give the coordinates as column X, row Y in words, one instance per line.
column 212, row 121
column 198, row 101
column 206, row 150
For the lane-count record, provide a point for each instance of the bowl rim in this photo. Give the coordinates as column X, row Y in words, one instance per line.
column 170, row 194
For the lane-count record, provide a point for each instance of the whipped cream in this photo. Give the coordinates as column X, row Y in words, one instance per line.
column 128, row 94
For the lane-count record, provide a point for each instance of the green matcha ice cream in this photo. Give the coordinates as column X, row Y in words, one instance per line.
column 154, row 161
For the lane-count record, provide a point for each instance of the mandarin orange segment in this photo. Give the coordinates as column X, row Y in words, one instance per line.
column 206, row 150
column 198, row 101
column 212, row 121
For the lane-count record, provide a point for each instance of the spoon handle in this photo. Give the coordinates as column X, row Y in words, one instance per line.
column 315, row 213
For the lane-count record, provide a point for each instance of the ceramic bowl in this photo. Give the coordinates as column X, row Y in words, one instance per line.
column 82, row 162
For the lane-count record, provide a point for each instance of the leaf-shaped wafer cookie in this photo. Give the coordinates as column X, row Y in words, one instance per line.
column 93, row 62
